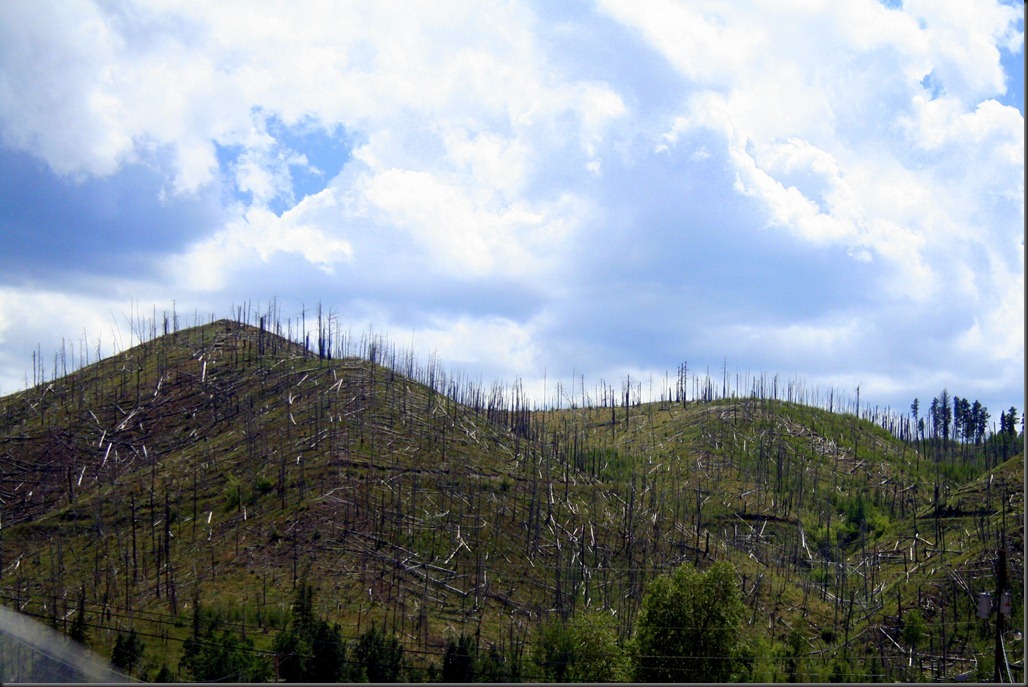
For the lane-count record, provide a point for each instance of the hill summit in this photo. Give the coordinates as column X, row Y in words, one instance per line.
column 228, row 465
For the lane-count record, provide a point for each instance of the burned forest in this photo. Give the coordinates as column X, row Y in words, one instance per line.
column 268, row 485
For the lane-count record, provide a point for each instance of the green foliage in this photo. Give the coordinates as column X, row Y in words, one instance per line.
column 915, row 629
column 596, row 655
column 688, row 630
column 165, row 674
column 78, row 631
column 496, row 666
column 583, row 649
column 754, row 662
column 264, row 486
column 377, row 657
column 310, row 650
column 219, row 655
column 841, row 671
column 862, row 516
column 553, row 650
column 464, row 662
column 791, row 655
column 459, row 660
column 128, row 649
column 232, row 494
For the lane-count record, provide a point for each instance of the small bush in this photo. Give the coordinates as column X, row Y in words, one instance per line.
column 264, row 486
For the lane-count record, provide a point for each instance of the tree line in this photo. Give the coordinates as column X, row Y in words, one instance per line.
column 957, row 429
column 690, row 629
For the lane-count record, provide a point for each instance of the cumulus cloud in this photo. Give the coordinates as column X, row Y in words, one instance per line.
column 635, row 183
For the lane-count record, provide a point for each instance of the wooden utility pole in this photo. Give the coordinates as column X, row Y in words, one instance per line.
column 1001, row 585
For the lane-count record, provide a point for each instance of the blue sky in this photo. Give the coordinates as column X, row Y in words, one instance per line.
column 827, row 191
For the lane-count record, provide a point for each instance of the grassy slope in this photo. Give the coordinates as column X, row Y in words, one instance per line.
column 250, row 462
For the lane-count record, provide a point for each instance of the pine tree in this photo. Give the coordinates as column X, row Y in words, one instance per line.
column 213, row 655
column 310, row 650
column 128, row 649
column 377, row 657
column 459, row 660
column 78, row 631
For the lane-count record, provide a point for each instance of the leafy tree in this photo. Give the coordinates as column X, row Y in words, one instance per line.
column 688, row 629
column 596, row 655
column 792, row 655
column 583, row 649
column 553, row 650
column 755, row 662
column 128, row 649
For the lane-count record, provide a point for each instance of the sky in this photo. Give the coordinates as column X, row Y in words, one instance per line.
column 827, row 190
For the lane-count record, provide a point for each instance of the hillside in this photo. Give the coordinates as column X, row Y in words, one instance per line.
column 227, row 463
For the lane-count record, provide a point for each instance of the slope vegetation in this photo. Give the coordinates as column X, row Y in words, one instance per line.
column 227, row 464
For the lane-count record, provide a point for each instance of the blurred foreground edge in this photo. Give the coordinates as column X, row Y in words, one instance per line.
column 31, row 652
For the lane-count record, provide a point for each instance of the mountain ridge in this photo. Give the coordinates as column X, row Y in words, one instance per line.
column 225, row 461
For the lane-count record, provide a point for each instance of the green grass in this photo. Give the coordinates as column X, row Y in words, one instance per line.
column 409, row 509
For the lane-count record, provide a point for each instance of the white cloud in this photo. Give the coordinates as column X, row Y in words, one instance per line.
column 260, row 234
column 460, row 229
column 820, row 130
column 496, row 342
column 826, row 342
column 438, row 92
column 963, row 41
column 51, row 65
column 497, row 164
column 39, row 319
column 485, row 160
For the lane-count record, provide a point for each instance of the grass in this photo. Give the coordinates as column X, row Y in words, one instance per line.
column 253, row 463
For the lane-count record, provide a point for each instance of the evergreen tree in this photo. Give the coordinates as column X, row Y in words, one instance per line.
column 945, row 412
column 78, row 631
column 496, row 666
column 979, row 422
column 377, row 657
column 459, row 660
column 165, row 674
column 792, row 656
column 213, row 655
column 128, row 649
column 1011, row 425
column 309, row 649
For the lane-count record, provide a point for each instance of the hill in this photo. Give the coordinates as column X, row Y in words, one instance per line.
column 228, row 464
